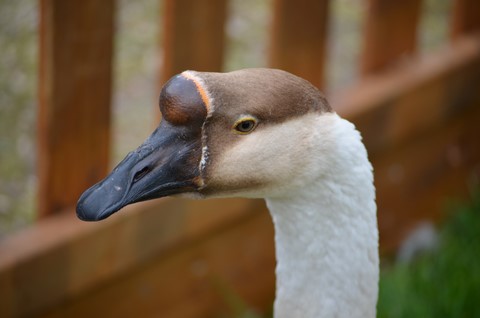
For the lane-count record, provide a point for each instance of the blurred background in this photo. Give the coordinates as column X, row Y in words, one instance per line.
column 88, row 74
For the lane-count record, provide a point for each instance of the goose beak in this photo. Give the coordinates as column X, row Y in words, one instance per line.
column 165, row 164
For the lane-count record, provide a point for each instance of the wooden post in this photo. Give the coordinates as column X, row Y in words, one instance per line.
column 466, row 17
column 298, row 38
column 76, row 42
column 390, row 33
column 193, row 36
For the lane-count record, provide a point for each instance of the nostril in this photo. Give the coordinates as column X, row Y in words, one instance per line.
column 140, row 174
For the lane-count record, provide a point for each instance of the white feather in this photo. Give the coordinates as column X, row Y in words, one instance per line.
column 318, row 184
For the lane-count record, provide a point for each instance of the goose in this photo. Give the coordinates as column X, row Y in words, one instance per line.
column 265, row 133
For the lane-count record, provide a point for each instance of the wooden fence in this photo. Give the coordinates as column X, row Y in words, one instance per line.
column 177, row 258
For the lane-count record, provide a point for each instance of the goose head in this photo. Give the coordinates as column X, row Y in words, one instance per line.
column 245, row 133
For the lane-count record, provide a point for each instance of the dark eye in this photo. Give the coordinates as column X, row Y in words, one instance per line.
column 245, row 125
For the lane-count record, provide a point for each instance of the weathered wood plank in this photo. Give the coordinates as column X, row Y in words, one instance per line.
column 193, row 36
column 190, row 281
column 395, row 107
column 466, row 17
column 76, row 43
column 390, row 33
column 62, row 257
column 298, row 38
column 416, row 181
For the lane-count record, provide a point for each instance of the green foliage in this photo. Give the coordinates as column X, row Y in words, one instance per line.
column 18, row 35
column 444, row 283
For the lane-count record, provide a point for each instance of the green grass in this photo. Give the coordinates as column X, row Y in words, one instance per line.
column 444, row 283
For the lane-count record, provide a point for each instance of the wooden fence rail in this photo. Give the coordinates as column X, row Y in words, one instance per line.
column 177, row 258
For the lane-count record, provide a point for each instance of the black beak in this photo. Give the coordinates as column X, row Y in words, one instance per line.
column 166, row 163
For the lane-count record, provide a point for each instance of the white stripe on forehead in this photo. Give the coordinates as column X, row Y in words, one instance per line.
column 202, row 90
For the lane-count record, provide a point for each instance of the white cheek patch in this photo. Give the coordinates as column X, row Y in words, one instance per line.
column 273, row 155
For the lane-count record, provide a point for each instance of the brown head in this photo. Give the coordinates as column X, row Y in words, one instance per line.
column 221, row 134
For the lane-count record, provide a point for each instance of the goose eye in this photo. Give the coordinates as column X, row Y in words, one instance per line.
column 245, row 125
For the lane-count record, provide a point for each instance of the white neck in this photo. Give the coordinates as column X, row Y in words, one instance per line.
column 327, row 239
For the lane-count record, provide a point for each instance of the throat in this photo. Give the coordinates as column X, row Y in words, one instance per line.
column 327, row 253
